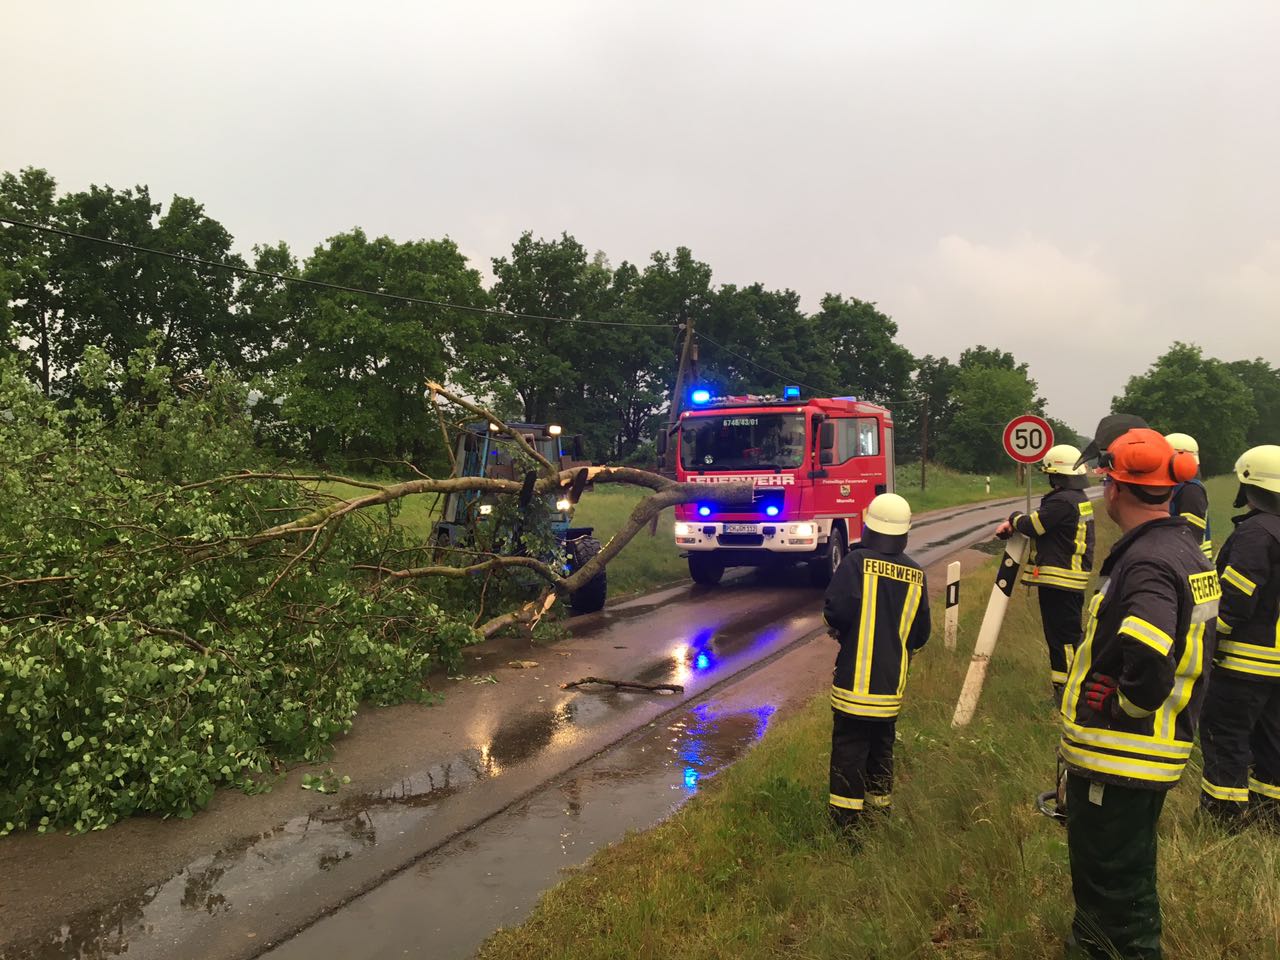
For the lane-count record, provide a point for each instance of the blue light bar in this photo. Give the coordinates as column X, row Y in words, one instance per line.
column 790, row 393
column 700, row 396
column 772, row 510
column 704, row 511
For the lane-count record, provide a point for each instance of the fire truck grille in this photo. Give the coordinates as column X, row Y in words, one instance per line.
column 740, row 540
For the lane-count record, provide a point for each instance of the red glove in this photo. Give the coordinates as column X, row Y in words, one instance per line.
column 1098, row 691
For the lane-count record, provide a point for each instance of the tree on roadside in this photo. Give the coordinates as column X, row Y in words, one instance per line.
column 1263, row 381
column 29, row 296
column 1186, row 392
column 868, row 361
column 355, row 364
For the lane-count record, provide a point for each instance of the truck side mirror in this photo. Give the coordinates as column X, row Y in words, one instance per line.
column 827, row 437
column 826, row 457
column 661, row 442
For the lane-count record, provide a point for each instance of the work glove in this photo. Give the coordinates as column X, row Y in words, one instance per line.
column 1099, row 691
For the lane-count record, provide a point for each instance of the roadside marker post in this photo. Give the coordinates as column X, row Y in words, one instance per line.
column 953, row 603
column 1006, row 578
column 1026, row 439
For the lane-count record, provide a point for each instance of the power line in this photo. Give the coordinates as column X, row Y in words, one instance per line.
column 789, row 379
column 285, row 278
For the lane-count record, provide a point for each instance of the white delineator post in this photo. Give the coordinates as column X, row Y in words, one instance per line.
column 953, row 603
column 1015, row 552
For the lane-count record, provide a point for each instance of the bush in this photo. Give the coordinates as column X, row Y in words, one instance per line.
column 149, row 652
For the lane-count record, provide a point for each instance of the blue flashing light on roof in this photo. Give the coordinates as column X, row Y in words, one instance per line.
column 704, row 511
column 772, row 510
column 700, row 396
column 790, row 393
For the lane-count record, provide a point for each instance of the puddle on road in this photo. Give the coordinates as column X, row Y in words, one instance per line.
column 494, row 875
column 153, row 921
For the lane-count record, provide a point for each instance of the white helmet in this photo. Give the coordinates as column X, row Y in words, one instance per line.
column 1258, row 471
column 1184, row 443
column 1062, row 460
column 889, row 514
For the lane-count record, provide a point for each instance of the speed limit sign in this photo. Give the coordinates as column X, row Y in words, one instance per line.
column 1028, row 438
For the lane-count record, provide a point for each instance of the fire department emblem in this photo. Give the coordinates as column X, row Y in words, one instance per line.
column 845, row 489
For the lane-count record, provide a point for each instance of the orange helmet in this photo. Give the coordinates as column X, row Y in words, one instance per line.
column 1144, row 458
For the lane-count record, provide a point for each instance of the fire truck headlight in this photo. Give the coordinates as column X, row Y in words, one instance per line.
column 682, row 529
column 704, row 511
column 486, row 509
column 564, row 504
column 802, row 530
column 553, row 429
column 772, row 510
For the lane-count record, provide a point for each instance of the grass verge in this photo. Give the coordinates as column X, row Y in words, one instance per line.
column 965, row 869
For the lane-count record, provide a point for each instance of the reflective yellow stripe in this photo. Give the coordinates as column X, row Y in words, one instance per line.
column 879, row 799
column 1190, row 667
column 1250, row 650
column 1224, row 628
column 1265, row 789
column 1148, row 633
column 1128, row 742
column 1238, row 580
column 1083, row 659
column 1058, row 676
column 1206, row 547
column 865, row 710
column 909, row 610
column 1131, row 708
column 1252, row 667
column 1030, row 579
column 1233, row 794
column 866, row 632
column 1193, row 519
column 873, row 698
column 1034, row 517
column 1122, row 766
column 1082, row 535
column 845, row 803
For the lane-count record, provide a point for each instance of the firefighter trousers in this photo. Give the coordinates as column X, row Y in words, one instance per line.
column 1111, row 840
column 861, row 766
column 1240, row 737
column 1061, row 612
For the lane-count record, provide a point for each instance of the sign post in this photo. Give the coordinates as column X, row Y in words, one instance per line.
column 1026, row 439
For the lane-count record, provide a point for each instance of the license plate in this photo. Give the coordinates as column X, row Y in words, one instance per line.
column 739, row 528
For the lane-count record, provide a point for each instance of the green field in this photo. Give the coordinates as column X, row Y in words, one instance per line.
column 947, row 488
column 965, row 869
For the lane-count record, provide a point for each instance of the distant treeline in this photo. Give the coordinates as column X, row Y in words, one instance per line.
column 339, row 375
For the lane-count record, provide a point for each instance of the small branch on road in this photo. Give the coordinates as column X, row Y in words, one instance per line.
column 625, row 685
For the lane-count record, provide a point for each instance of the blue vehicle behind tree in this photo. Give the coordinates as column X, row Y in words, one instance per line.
column 476, row 520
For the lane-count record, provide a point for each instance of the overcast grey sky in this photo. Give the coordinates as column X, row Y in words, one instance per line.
column 1037, row 176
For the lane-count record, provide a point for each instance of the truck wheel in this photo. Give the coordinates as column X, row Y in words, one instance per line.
column 705, row 569
column 590, row 597
column 823, row 567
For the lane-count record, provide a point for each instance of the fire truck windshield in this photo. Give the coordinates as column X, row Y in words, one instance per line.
column 737, row 441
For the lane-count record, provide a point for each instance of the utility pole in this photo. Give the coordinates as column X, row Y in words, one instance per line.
column 924, row 440
column 688, row 361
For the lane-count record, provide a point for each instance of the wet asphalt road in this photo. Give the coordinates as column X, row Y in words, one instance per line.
column 457, row 816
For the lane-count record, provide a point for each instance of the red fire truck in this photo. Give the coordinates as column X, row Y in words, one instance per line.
column 816, row 465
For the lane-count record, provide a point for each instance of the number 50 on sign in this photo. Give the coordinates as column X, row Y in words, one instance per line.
column 1027, row 438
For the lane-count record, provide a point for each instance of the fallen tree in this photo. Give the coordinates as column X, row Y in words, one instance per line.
column 177, row 613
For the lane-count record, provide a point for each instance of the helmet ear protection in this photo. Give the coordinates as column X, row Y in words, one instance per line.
column 1142, row 457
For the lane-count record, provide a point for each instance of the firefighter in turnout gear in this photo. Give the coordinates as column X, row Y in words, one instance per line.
column 878, row 608
column 1190, row 500
column 1240, row 728
column 1061, row 534
column 1133, row 692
